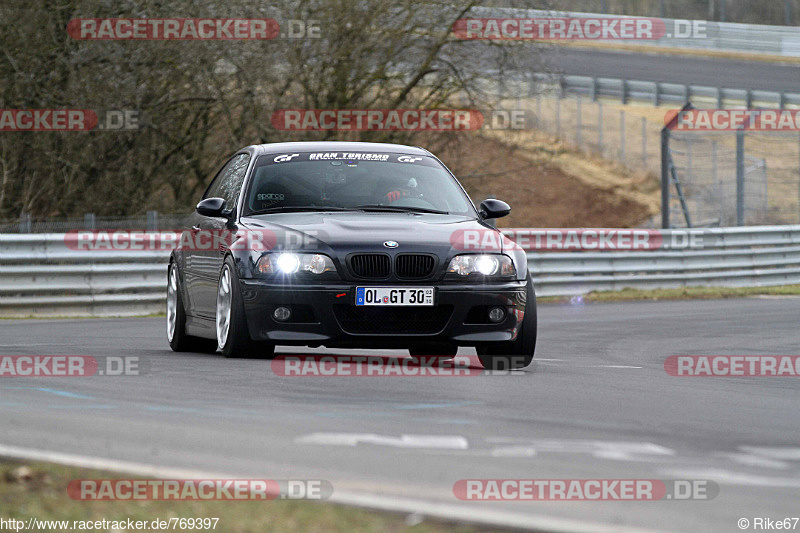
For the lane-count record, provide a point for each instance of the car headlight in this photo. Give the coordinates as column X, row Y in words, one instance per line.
column 485, row 265
column 289, row 263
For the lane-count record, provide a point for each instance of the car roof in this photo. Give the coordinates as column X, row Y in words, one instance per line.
column 334, row 146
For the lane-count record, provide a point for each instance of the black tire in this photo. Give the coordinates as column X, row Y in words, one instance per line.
column 439, row 350
column 180, row 341
column 518, row 353
column 238, row 342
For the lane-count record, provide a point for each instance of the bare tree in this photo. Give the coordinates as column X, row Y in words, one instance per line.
column 201, row 100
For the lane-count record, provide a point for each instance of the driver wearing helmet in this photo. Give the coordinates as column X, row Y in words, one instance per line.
column 402, row 190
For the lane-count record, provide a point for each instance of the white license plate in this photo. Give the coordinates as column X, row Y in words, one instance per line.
column 395, row 296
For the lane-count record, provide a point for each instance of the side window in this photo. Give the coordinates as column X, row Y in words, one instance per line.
column 228, row 184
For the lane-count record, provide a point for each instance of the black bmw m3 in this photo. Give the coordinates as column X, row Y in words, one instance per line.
column 348, row 244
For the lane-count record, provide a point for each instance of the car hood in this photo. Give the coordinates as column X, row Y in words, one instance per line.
column 367, row 231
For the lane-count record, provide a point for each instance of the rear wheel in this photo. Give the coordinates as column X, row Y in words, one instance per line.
column 179, row 341
column 233, row 337
column 518, row 353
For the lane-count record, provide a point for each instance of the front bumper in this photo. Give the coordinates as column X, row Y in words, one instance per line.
column 326, row 315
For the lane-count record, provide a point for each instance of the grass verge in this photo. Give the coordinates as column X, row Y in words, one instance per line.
column 38, row 490
column 686, row 293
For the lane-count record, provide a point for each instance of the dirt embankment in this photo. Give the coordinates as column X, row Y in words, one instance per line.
column 550, row 186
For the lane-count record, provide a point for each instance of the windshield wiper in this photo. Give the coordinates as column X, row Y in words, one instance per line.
column 289, row 209
column 398, row 209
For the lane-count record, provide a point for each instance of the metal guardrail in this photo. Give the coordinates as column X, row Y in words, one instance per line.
column 41, row 276
column 721, row 36
column 658, row 93
column 730, row 257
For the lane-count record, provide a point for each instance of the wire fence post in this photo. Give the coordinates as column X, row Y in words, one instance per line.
column 644, row 142
column 89, row 221
column 152, row 220
column 558, row 118
column 578, row 136
column 25, row 225
column 740, row 177
column 600, row 127
column 665, row 178
column 689, row 162
column 717, row 183
column 539, row 120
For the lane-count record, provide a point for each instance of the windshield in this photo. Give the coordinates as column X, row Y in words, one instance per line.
column 354, row 180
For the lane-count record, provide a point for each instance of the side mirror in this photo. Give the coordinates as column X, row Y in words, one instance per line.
column 492, row 208
column 212, row 207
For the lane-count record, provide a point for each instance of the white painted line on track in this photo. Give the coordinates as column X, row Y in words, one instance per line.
column 612, row 366
column 466, row 512
column 440, row 442
column 550, row 361
column 748, row 459
column 730, row 477
column 786, row 453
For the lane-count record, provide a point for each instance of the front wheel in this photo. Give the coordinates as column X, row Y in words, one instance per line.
column 233, row 337
column 518, row 353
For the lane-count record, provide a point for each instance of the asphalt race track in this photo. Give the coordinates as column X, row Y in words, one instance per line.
column 712, row 71
column 597, row 404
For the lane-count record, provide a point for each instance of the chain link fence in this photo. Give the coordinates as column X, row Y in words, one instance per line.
column 705, row 192
column 778, row 12
column 708, row 166
column 609, row 131
column 705, row 164
column 152, row 221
